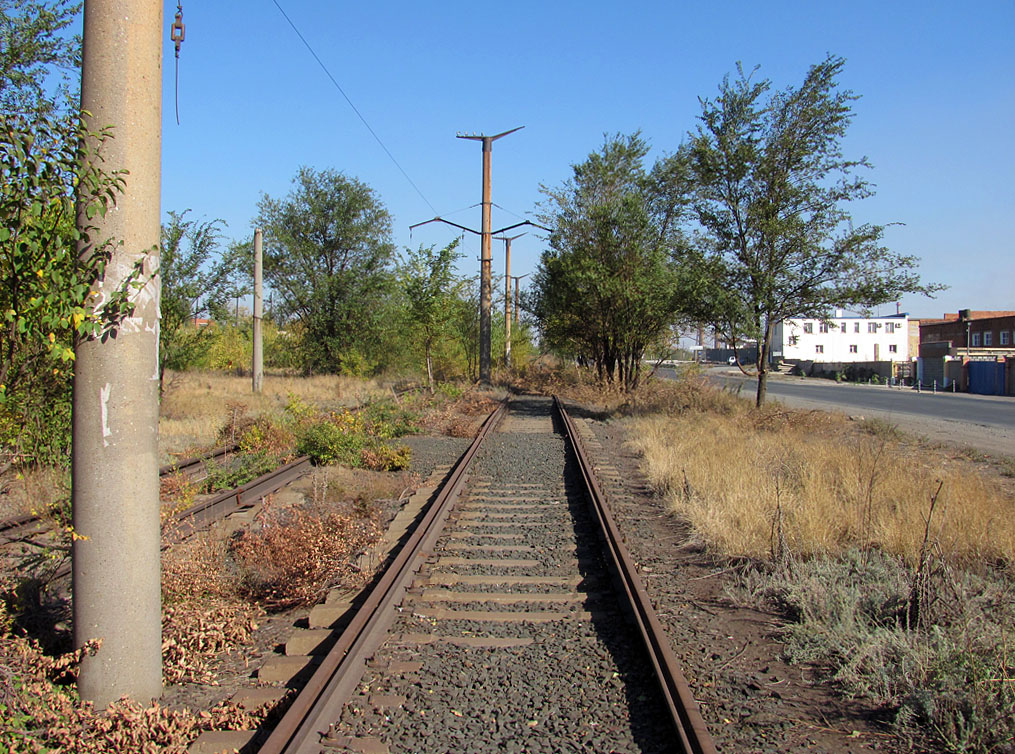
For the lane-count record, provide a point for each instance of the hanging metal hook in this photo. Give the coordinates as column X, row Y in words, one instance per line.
column 177, row 35
column 179, row 31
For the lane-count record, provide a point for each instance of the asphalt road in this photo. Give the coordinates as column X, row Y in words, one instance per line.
column 987, row 422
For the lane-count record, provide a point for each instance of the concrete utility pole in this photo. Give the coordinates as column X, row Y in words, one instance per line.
column 258, row 367
column 507, row 295
column 517, row 279
column 117, row 596
column 486, row 283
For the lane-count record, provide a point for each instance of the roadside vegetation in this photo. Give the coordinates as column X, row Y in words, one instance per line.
column 892, row 562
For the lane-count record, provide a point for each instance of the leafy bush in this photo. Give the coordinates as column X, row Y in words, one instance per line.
column 238, row 470
column 386, row 458
column 327, row 442
column 387, row 420
column 35, row 425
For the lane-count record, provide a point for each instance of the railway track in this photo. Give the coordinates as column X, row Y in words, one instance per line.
column 18, row 527
column 512, row 619
column 206, row 512
column 194, row 467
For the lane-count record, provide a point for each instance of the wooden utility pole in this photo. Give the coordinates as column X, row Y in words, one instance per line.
column 507, row 295
column 116, row 584
column 486, row 282
column 258, row 358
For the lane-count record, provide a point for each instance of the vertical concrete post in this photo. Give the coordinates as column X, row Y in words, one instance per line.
column 115, row 466
column 258, row 366
column 486, row 282
column 486, row 256
column 507, row 302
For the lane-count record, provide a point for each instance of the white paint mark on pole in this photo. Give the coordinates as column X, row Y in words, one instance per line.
column 104, row 394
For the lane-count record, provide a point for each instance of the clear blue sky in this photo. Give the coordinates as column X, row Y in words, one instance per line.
column 936, row 117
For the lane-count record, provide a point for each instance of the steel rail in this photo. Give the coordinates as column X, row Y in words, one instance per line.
column 208, row 511
column 690, row 727
column 12, row 528
column 9, row 527
column 188, row 465
column 319, row 704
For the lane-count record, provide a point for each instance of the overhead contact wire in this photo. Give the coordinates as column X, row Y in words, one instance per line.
column 354, row 108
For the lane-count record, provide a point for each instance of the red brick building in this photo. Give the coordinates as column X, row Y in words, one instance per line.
column 973, row 349
column 987, row 330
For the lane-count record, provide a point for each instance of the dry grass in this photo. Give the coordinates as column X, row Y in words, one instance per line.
column 195, row 405
column 336, row 484
column 28, row 490
column 759, row 484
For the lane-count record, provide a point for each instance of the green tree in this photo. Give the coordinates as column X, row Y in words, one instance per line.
column 48, row 265
column 327, row 257
column 608, row 285
column 464, row 320
column 428, row 281
column 38, row 60
column 772, row 184
column 198, row 280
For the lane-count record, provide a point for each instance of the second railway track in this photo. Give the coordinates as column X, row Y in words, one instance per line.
column 505, row 629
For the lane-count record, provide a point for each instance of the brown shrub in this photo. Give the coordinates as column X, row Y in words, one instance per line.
column 297, row 555
column 203, row 616
column 385, row 458
column 177, row 493
column 40, row 712
column 194, row 633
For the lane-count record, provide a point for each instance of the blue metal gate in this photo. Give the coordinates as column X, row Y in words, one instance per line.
column 986, row 377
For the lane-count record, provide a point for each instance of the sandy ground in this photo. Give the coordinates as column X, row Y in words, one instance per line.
column 993, row 440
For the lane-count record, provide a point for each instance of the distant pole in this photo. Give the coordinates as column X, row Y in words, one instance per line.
column 486, row 282
column 115, row 498
column 517, row 279
column 507, row 296
column 507, row 302
column 258, row 366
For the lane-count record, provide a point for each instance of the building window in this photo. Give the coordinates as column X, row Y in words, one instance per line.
column 1005, row 338
column 976, row 340
column 893, row 348
column 794, row 339
column 856, row 327
column 852, row 349
column 844, row 327
column 808, row 327
column 988, row 338
column 872, row 327
column 822, row 327
column 819, row 349
column 890, row 328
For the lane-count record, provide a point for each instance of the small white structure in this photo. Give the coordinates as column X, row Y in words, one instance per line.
column 841, row 338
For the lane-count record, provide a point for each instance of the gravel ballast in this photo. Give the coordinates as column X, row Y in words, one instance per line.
column 577, row 680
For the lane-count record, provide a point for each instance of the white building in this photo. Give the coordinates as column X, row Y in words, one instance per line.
column 843, row 339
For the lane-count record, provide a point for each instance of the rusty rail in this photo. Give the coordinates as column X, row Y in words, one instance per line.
column 687, row 720
column 206, row 512
column 12, row 528
column 319, row 704
column 189, row 465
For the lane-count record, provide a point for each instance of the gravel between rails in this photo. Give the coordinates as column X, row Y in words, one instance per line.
column 583, row 684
